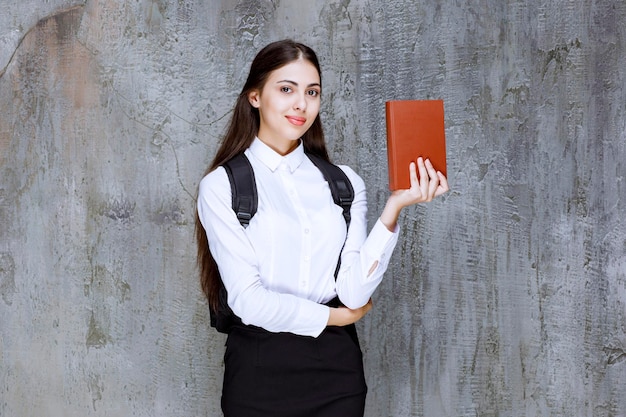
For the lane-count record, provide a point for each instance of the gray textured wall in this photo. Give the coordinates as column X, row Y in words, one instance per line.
column 505, row 298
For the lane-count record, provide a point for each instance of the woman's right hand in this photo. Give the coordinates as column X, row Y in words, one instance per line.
column 343, row 316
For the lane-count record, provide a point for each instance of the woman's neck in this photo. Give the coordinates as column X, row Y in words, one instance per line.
column 283, row 147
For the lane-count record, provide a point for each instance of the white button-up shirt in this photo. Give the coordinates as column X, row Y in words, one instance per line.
column 279, row 271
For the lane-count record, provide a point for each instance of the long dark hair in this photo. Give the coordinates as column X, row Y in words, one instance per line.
column 243, row 127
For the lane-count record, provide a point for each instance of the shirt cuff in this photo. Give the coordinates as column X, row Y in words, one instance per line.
column 379, row 246
column 316, row 319
column 381, row 241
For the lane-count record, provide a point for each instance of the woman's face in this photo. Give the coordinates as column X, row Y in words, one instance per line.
column 288, row 104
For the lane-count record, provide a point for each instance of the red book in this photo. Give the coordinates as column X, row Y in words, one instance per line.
column 414, row 128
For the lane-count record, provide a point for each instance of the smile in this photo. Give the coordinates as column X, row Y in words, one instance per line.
column 294, row 120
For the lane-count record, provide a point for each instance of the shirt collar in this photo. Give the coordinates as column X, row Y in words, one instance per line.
column 273, row 160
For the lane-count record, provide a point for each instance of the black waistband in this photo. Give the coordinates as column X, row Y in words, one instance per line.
column 334, row 303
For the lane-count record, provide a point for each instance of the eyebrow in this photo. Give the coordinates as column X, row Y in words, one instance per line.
column 296, row 84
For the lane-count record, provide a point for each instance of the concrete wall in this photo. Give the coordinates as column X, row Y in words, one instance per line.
column 505, row 298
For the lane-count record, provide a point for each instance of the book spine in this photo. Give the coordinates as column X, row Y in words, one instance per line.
column 391, row 163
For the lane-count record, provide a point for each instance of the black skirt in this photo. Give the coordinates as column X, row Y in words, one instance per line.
column 282, row 374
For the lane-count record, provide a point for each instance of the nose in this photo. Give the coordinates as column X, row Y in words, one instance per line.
column 300, row 103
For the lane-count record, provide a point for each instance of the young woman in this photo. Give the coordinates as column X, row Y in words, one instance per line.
column 294, row 354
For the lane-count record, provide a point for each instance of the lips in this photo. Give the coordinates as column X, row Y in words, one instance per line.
column 295, row 120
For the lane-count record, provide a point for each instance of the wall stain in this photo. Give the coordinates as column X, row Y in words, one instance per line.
column 171, row 213
column 558, row 55
column 96, row 337
column 615, row 354
column 105, row 283
column 7, row 278
column 66, row 24
column 121, row 210
column 63, row 17
column 339, row 15
column 252, row 16
column 96, row 387
column 153, row 14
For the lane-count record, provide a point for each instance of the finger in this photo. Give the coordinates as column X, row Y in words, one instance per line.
column 423, row 178
column 432, row 172
column 421, row 168
column 433, row 184
column 443, row 184
column 413, row 175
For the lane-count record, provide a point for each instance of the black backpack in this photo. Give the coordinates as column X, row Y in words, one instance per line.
column 244, row 203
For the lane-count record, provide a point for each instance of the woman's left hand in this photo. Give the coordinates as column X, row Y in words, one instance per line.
column 424, row 188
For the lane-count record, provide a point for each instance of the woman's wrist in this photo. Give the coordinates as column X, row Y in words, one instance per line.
column 391, row 213
column 333, row 317
column 343, row 316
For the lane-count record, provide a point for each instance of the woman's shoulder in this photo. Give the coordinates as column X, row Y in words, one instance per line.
column 215, row 182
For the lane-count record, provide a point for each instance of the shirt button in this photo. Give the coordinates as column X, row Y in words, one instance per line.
column 306, row 231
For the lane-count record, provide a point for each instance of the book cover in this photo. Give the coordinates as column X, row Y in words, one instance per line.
column 414, row 128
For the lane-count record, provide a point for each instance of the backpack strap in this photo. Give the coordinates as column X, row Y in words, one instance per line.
column 340, row 186
column 243, row 188
column 244, row 203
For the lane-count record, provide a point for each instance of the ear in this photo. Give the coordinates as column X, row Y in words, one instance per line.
column 254, row 98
